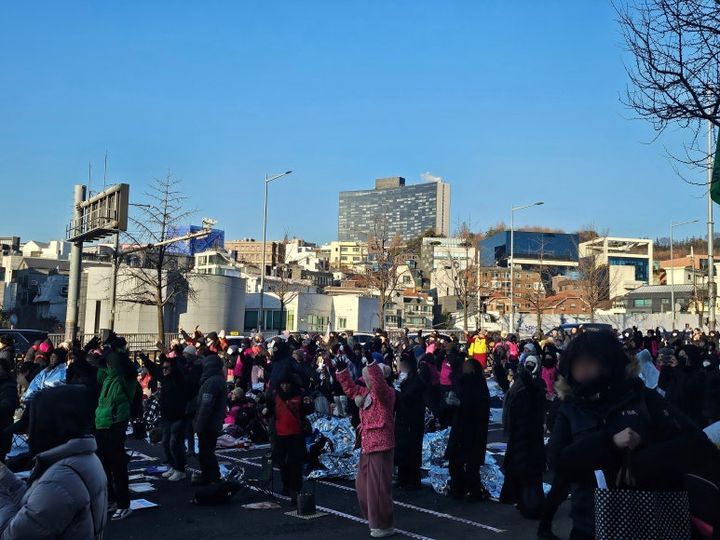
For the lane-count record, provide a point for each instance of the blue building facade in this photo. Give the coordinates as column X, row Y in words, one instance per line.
column 536, row 246
column 214, row 240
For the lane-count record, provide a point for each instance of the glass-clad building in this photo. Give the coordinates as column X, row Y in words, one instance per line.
column 530, row 248
column 407, row 210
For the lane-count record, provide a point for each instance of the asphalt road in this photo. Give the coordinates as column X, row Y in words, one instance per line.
column 420, row 514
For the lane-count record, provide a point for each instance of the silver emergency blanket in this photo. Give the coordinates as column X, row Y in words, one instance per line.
column 433, row 449
column 490, row 474
column 343, row 461
column 494, row 388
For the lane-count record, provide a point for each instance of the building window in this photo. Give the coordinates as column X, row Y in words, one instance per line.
column 642, row 302
column 342, row 322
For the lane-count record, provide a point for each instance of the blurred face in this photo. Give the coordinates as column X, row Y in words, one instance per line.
column 167, row 368
column 585, row 370
column 53, row 359
column 285, row 387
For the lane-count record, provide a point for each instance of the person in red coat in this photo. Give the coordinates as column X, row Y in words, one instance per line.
column 288, row 408
column 376, row 431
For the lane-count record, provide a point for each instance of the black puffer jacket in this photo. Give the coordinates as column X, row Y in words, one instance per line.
column 8, row 400
column 409, row 416
column 523, row 416
column 468, row 435
column 582, row 442
column 684, row 388
column 212, row 397
column 174, row 393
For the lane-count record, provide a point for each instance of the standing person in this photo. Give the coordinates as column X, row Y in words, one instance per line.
column 118, row 384
column 377, row 441
column 609, row 420
column 173, row 404
column 209, row 418
column 478, row 347
column 288, row 408
column 9, row 402
column 683, row 381
column 65, row 496
column 409, row 424
column 192, row 369
column 468, row 435
column 524, row 463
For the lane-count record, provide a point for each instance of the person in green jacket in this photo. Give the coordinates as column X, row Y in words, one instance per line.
column 118, row 383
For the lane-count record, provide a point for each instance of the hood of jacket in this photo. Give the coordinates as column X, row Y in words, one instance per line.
column 565, row 390
column 211, row 365
column 58, row 415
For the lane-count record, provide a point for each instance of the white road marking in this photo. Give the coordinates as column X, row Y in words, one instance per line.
column 398, row 503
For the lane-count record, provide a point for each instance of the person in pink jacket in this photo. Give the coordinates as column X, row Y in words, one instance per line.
column 377, row 442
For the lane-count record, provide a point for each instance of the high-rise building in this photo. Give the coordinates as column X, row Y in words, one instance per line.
column 406, row 211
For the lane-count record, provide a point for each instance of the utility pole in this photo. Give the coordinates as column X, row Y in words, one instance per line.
column 261, row 314
column 711, row 231
column 71, row 317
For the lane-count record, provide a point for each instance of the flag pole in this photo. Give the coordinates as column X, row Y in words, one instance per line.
column 711, row 231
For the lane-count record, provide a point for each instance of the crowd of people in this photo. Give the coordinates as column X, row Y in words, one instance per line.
column 608, row 402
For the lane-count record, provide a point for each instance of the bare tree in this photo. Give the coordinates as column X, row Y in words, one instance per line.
column 594, row 278
column 284, row 287
column 675, row 71
column 535, row 296
column 385, row 254
column 462, row 272
column 160, row 275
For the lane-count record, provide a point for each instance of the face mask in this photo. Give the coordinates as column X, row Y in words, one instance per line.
column 706, row 364
column 402, row 376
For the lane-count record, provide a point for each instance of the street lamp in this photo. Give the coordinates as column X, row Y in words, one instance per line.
column 672, row 270
column 512, row 258
column 261, row 317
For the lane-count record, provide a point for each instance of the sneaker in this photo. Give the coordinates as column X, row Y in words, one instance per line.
column 177, row 475
column 112, row 507
column 121, row 513
column 381, row 533
column 168, row 473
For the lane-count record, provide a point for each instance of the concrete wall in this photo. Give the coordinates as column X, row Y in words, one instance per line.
column 130, row 318
column 218, row 304
column 527, row 322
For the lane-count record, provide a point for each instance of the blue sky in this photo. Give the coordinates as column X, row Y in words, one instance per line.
column 509, row 102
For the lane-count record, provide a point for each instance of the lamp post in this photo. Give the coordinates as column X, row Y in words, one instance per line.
column 512, row 258
column 261, row 315
column 672, row 270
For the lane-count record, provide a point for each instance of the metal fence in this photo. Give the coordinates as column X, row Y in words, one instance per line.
column 136, row 342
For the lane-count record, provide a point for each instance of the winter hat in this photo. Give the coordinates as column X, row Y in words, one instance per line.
column 45, row 347
column 232, row 349
column 419, row 352
column 190, row 349
column 377, row 357
column 529, row 347
column 532, row 364
column 212, row 335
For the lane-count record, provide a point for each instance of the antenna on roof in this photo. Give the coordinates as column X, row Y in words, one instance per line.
column 105, row 171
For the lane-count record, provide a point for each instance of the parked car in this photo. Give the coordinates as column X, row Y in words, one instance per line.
column 24, row 338
column 589, row 327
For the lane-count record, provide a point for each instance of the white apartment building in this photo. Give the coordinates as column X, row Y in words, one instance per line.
column 630, row 261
